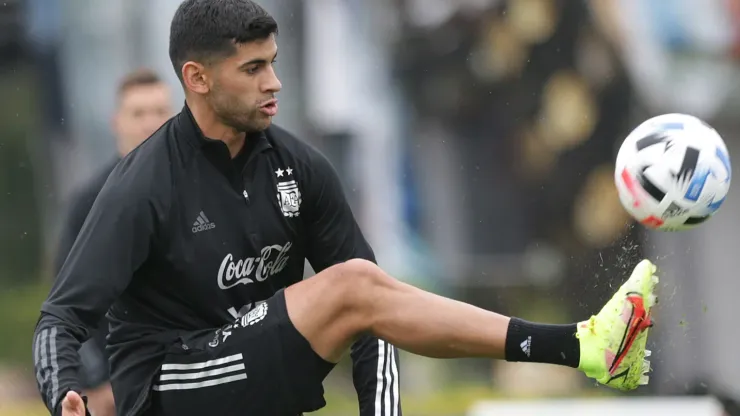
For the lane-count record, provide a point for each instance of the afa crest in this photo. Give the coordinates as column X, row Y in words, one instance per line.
column 289, row 198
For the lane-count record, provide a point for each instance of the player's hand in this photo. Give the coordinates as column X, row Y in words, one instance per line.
column 72, row 405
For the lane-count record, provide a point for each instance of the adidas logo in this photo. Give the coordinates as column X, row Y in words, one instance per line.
column 527, row 345
column 202, row 223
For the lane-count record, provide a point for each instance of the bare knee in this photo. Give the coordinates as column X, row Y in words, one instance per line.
column 334, row 308
column 360, row 269
column 360, row 276
column 359, row 283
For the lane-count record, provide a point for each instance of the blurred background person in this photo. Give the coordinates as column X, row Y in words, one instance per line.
column 143, row 104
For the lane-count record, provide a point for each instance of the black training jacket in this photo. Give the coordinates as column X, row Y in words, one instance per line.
column 82, row 202
column 179, row 239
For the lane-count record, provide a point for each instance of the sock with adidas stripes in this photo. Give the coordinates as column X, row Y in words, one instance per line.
column 542, row 343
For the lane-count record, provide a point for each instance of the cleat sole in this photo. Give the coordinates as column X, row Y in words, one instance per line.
column 651, row 301
column 645, row 366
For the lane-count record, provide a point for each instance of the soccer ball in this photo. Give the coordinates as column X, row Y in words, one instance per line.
column 672, row 172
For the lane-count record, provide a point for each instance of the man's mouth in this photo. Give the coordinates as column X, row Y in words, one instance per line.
column 270, row 108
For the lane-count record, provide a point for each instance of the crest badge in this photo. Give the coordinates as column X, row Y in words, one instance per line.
column 289, row 196
column 255, row 315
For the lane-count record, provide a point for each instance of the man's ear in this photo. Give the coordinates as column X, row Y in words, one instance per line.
column 195, row 78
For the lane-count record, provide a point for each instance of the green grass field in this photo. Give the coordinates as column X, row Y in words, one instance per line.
column 449, row 403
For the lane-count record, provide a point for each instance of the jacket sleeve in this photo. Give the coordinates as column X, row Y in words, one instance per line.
column 113, row 242
column 334, row 237
column 80, row 207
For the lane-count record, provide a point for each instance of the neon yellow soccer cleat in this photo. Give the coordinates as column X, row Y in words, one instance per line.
column 613, row 342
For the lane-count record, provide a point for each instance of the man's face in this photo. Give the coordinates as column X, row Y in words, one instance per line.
column 142, row 109
column 242, row 87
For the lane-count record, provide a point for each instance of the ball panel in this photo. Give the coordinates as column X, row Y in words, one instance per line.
column 696, row 186
column 672, row 172
column 688, row 165
column 696, row 220
column 649, row 186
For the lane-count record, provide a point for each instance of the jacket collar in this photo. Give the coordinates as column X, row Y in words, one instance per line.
column 189, row 130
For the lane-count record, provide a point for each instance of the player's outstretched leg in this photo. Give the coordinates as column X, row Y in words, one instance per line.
column 347, row 300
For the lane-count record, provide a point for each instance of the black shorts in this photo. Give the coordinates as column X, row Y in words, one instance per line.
column 259, row 365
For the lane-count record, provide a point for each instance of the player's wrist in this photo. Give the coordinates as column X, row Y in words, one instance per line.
column 542, row 343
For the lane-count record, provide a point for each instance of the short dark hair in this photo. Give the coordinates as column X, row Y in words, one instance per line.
column 207, row 30
column 139, row 77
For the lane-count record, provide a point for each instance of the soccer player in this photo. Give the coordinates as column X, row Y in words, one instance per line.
column 143, row 104
column 196, row 246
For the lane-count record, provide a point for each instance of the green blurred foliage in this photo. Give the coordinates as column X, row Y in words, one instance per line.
column 19, row 307
column 20, row 227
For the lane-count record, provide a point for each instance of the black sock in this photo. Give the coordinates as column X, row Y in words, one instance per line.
column 542, row 343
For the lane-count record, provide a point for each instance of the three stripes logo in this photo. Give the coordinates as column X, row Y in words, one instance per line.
column 526, row 346
column 202, row 223
column 203, row 374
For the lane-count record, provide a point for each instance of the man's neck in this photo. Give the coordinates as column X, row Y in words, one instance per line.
column 214, row 129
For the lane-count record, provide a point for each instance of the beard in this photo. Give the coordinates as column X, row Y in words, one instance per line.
column 234, row 113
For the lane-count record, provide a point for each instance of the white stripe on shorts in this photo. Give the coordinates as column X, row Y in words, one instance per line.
column 201, row 384
column 199, row 379
column 202, row 374
column 204, row 364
